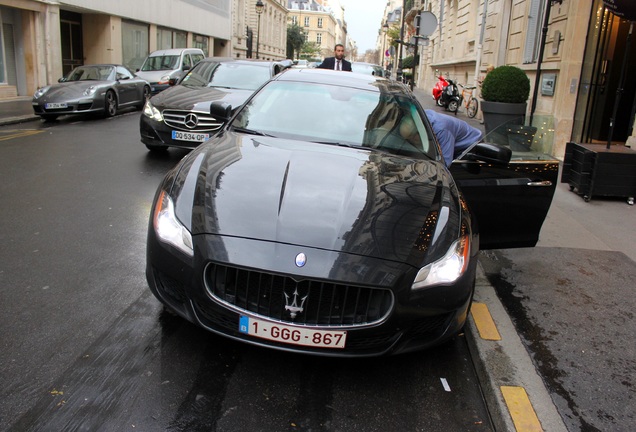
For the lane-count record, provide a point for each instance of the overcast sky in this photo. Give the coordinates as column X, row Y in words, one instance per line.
column 364, row 19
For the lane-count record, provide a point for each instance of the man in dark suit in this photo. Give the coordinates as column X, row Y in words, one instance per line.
column 337, row 62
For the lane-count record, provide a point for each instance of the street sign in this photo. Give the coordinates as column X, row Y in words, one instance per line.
column 428, row 24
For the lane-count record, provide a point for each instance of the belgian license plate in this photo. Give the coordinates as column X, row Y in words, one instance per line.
column 189, row 136
column 55, row 105
column 292, row 335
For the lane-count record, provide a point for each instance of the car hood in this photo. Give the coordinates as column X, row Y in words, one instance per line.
column 154, row 76
column 315, row 195
column 68, row 90
column 198, row 98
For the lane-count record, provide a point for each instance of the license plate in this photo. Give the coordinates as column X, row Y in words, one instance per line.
column 189, row 136
column 292, row 335
column 56, row 105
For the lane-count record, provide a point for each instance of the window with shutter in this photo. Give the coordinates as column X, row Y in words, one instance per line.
column 533, row 36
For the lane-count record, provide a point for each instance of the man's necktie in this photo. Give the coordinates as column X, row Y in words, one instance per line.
column 338, row 66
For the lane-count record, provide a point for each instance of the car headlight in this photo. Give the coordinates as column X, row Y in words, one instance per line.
column 164, row 79
column 41, row 91
column 447, row 269
column 168, row 227
column 152, row 112
column 90, row 91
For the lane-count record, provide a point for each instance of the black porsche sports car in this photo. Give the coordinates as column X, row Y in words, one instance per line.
column 322, row 219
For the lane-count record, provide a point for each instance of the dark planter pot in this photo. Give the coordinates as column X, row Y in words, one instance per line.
column 498, row 113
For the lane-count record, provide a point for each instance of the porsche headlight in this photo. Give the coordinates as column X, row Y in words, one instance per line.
column 447, row 269
column 90, row 91
column 168, row 227
column 152, row 112
column 41, row 91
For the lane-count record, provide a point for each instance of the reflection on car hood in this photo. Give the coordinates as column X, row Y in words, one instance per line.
column 198, row 98
column 69, row 90
column 316, row 195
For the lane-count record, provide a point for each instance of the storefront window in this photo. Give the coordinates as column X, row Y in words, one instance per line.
column 168, row 38
column 199, row 41
column 134, row 44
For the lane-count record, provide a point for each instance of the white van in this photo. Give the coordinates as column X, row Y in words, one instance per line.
column 160, row 66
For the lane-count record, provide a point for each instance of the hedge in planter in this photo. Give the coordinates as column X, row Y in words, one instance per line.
column 507, row 84
column 505, row 91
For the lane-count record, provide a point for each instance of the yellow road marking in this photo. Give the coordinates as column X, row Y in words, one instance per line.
column 484, row 322
column 521, row 411
column 20, row 134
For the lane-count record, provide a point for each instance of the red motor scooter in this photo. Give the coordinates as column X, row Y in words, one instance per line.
column 438, row 90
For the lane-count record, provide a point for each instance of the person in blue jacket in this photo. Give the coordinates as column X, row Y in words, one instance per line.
column 454, row 135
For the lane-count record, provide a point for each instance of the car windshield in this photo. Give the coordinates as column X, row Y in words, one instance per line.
column 366, row 69
column 90, row 73
column 158, row 63
column 227, row 75
column 340, row 116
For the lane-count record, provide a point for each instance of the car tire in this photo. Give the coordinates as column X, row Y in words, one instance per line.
column 157, row 149
column 49, row 117
column 144, row 98
column 110, row 104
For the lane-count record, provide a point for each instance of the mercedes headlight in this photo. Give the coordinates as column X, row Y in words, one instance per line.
column 168, row 227
column 446, row 270
column 152, row 112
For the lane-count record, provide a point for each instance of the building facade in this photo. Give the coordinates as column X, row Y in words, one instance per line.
column 42, row 40
column 584, row 53
column 319, row 25
column 262, row 33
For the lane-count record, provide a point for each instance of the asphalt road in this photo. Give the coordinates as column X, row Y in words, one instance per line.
column 85, row 346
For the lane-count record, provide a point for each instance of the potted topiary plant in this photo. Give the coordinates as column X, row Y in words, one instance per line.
column 505, row 92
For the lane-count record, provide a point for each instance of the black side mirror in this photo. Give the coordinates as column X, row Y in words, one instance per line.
column 491, row 153
column 221, row 111
column 186, row 68
column 173, row 81
column 61, row 79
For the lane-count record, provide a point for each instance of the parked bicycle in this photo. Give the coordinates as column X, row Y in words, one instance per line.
column 469, row 101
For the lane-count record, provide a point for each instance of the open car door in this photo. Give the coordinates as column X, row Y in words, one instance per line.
column 510, row 200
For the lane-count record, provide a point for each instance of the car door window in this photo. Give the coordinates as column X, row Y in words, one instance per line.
column 187, row 63
column 123, row 73
column 196, row 58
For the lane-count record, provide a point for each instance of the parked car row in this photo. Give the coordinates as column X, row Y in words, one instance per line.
column 315, row 213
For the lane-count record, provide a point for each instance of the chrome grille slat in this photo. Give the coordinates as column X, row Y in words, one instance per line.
column 177, row 119
column 327, row 304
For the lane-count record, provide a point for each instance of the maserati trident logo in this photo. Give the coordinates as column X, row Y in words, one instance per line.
column 301, row 260
column 291, row 303
column 191, row 121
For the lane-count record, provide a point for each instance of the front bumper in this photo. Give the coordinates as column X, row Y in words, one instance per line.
column 412, row 320
column 76, row 106
column 158, row 134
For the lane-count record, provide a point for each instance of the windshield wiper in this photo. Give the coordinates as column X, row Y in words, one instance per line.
column 249, row 131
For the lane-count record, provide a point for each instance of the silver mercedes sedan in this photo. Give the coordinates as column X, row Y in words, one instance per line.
column 102, row 89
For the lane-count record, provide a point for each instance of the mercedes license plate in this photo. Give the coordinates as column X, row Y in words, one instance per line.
column 292, row 335
column 189, row 136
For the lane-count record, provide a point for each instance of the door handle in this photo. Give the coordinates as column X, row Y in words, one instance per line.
column 543, row 183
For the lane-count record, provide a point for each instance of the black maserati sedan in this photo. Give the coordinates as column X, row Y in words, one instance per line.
column 180, row 115
column 322, row 219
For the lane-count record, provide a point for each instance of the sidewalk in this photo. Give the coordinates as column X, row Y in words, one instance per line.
column 16, row 110
column 564, row 311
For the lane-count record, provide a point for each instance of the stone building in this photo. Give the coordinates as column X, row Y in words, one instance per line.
column 42, row 40
column 584, row 54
